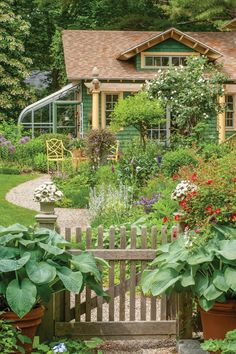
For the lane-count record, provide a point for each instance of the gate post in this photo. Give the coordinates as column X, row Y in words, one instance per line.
column 46, row 330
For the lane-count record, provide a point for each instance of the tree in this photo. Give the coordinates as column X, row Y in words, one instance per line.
column 14, row 65
column 191, row 92
column 138, row 111
column 210, row 11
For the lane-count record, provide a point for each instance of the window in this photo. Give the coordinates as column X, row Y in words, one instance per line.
column 162, row 61
column 161, row 132
column 110, row 102
column 229, row 111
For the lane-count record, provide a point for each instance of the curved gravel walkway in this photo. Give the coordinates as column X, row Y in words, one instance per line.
column 22, row 195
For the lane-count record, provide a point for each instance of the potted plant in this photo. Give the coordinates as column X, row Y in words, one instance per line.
column 47, row 194
column 34, row 264
column 77, row 146
column 205, row 269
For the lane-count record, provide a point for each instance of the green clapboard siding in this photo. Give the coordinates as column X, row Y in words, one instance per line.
column 87, row 107
column 170, row 45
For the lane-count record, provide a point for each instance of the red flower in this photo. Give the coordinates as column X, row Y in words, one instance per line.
column 210, row 181
column 209, row 209
column 217, row 211
column 176, row 217
column 233, row 217
column 198, row 231
column 234, row 179
column 182, row 203
column 165, row 219
column 194, row 177
column 174, row 233
column 175, row 177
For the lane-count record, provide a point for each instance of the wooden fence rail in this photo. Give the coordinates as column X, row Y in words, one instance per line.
column 129, row 314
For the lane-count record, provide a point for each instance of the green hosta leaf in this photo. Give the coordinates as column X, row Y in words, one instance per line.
column 9, row 237
column 148, row 278
column 228, row 249
column 9, row 265
column 13, row 229
column 200, row 257
column 2, row 287
column 86, row 263
column 102, row 262
column 40, row 273
column 51, row 249
column 187, row 278
column 219, row 281
column 201, row 283
column 72, row 281
column 230, row 277
column 212, row 293
column 8, row 252
column 205, row 304
column 164, row 280
column 21, row 297
column 225, row 230
column 44, row 292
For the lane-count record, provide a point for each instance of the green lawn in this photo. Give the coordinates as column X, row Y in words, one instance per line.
column 10, row 213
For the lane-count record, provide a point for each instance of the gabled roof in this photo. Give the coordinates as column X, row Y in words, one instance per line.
column 231, row 24
column 85, row 49
column 173, row 33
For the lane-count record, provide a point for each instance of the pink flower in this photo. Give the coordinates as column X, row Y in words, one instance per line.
column 217, row 211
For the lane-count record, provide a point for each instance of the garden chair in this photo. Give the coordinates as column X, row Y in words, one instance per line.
column 114, row 152
column 56, row 152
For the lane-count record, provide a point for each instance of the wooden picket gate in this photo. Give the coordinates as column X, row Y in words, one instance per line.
column 134, row 315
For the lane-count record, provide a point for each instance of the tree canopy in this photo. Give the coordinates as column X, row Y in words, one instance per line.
column 14, row 65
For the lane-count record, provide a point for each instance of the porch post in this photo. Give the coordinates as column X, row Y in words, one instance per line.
column 95, row 98
column 221, row 120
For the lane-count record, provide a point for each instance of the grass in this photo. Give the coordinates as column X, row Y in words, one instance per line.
column 10, row 213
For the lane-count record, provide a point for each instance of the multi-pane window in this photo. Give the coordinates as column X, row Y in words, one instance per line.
column 111, row 100
column 229, row 111
column 162, row 61
column 159, row 133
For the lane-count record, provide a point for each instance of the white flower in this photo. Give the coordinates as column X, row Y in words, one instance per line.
column 47, row 192
column 183, row 189
column 60, row 348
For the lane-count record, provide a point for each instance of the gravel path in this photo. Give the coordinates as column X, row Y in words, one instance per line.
column 22, row 195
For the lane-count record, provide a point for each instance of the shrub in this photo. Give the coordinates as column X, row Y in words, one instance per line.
column 110, row 203
column 173, row 160
column 107, row 175
column 209, row 151
column 40, row 162
column 98, row 144
column 137, row 166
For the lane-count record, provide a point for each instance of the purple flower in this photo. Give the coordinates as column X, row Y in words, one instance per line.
column 113, row 169
column 24, row 140
column 147, row 203
column 12, row 148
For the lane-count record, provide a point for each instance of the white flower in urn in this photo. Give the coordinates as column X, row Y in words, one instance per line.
column 47, row 193
column 183, row 189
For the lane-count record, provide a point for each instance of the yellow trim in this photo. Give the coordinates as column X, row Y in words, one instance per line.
column 177, row 54
column 103, row 105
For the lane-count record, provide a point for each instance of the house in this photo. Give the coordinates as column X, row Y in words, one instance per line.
column 105, row 66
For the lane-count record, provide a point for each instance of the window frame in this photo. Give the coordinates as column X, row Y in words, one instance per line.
column 163, row 54
column 229, row 128
column 103, row 105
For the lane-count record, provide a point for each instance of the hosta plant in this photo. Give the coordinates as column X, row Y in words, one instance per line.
column 206, row 269
column 34, row 264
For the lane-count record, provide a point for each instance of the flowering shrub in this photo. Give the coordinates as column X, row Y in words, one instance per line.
column 47, row 192
column 191, row 91
column 214, row 199
column 174, row 160
column 98, row 144
column 108, row 201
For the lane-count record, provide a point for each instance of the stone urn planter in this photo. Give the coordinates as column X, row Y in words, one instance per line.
column 47, row 207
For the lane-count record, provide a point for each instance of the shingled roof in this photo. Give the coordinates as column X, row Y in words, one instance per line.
column 85, row 49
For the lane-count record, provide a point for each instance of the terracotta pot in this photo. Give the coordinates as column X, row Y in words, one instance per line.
column 219, row 320
column 28, row 324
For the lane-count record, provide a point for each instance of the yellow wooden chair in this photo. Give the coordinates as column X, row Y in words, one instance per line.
column 114, row 152
column 56, row 152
